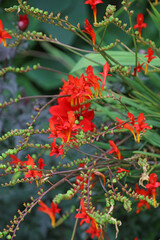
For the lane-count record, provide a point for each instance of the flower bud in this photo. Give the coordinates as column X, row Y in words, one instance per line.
column 23, row 22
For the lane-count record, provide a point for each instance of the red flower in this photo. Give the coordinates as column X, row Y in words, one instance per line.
column 60, row 112
column 138, row 68
column 78, row 89
column 16, row 160
column 82, row 214
column 3, row 34
column 33, row 173
column 153, row 185
column 119, row 170
column 41, row 163
column 141, row 126
column 94, row 230
column 150, row 57
column 142, row 203
column 23, row 22
column 93, row 4
column 138, row 128
column 140, row 24
column 64, row 128
column 50, row 211
column 92, row 80
column 89, row 30
column 58, row 150
column 104, row 74
column 30, row 162
column 114, row 149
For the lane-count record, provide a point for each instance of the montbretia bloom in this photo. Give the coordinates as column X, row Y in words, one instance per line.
column 152, row 185
column 50, row 211
column 3, row 35
column 150, row 57
column 89, row 30
column 114, row 149
column 140, row 24
column 135, row 127
column 93, row 4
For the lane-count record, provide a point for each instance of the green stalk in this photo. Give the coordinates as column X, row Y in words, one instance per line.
column 134, row 39
column 74, row 229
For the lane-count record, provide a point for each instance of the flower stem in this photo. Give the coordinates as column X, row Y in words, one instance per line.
column 134, row 39
column 74, row 229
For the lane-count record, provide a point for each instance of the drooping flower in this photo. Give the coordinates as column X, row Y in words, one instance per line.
column 41, row 163
column 89, row 30
column 83, row 214
column 114, row 149
column 138, row 68
column 3, row 34
column 16, row 160
column 119, row 170
column 50, row 211
column 34, row 173
column 23, row 22
column 92, row 80
column 94, row 230
column 153, row 185
column 30, row 162
column 104, row 74
column 55, row 149
column 142, row 204
column 140, row 24
column 132, row 126
column 93, row 4
column 150, row 57
column 140, row 126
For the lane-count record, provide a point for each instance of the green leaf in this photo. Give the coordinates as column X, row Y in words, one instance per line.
column 124, row 58
column 153, row 138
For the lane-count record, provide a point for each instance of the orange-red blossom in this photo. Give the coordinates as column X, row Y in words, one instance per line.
column 152, row 185
column 89, row 30
column 94, row 229
column 3, row 34
column 114, row 149
column 135, row 127
column 93, row 4
column 50, row 211
column 150, row 57
column 140, row 24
